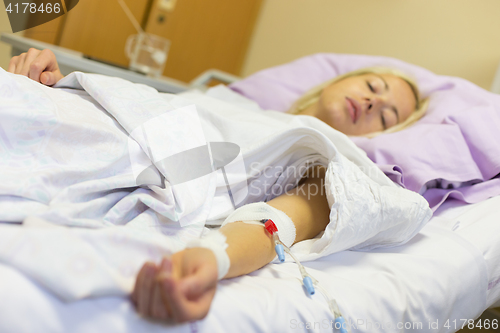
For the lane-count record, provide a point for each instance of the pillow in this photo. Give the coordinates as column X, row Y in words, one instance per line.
column 456, row 142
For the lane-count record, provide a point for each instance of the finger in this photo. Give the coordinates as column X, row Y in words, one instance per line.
column 198, row 290
column 168, row 289
column 195, row 309
column 191, row 287
column 46, row 65
column 139, row 281
column 138, row 284
column 20, row 63
column 30, row 56
column 180, row 296
column 159, row 310
column 203, row 279
column 48, row 59
column 182, row 308
column 12, row 64
column 36, row 67
column 166, row 281
column 166, row 266
column 146, row 283
column 50, row 78
column 135, row 292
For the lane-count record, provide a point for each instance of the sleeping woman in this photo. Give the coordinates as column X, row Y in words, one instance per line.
column 181, row 287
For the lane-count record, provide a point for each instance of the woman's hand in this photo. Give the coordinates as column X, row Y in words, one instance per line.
column 180, row 289
column 40, row 66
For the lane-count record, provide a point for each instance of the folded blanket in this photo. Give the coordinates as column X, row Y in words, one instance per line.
column 112, row 160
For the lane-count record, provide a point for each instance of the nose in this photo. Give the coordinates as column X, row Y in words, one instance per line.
column 367, row 104
column 372, row 103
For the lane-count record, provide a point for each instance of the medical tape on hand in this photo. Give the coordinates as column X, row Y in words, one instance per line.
column 261, row 211
column 216, row 242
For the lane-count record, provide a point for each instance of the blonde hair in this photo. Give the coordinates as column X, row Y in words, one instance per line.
column 313, row 95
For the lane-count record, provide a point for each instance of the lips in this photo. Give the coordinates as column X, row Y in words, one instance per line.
column 354, row 109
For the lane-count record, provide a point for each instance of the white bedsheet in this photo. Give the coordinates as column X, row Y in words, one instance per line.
column 443, row 274
column 78, row 155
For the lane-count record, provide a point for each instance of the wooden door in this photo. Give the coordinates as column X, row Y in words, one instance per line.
column 48, row 32
column 100, row 28
column 204, row 34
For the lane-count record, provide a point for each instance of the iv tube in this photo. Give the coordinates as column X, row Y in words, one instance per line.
column 130, row 16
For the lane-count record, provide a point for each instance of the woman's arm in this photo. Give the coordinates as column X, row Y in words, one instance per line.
column 182, row 287
column 250, row 247
column 40, row 66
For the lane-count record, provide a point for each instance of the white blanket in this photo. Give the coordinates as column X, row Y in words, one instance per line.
column 75, row 158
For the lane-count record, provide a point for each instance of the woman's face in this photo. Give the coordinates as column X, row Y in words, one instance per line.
column 363, row 104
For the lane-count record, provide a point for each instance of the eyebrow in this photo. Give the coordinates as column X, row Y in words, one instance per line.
column 393, row 108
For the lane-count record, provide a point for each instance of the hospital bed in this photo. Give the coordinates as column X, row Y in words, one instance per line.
column 443, row 277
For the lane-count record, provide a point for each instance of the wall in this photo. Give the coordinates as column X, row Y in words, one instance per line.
column 450, row 37
column 4, row 27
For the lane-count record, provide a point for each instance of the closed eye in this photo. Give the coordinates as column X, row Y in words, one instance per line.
column 370, row 87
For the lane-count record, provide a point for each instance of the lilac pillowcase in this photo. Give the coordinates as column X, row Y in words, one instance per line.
column 457, row 141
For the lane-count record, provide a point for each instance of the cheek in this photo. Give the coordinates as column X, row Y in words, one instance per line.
column 329, row 101
column 408, row 112
column 329, row 93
